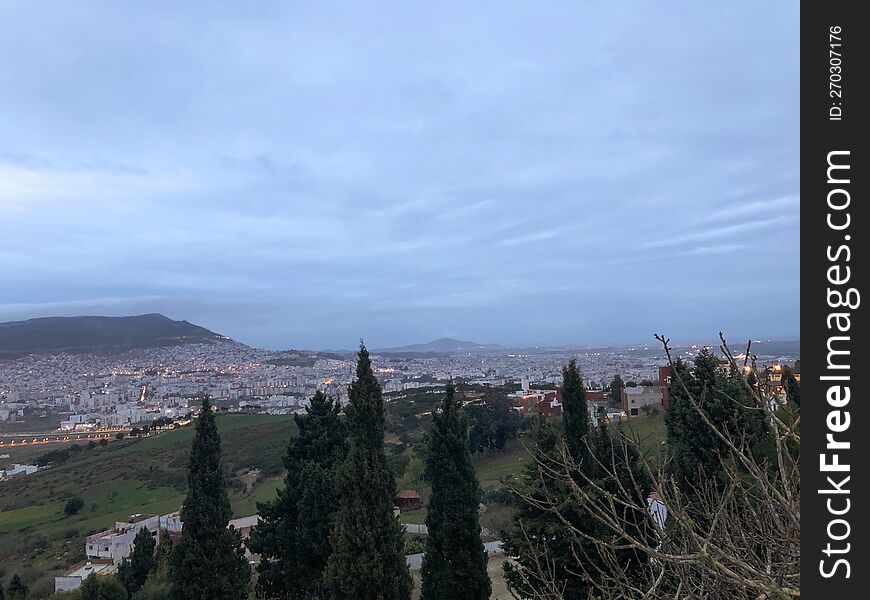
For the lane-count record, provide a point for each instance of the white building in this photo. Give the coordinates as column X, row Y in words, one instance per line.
column 73, row 578
column 116, row 544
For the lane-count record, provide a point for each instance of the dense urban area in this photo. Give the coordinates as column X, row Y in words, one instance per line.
column 60, row 410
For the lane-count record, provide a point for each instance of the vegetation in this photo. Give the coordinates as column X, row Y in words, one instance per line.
column 455, row 563
column 73, row 506
column 292, row 537
column 494, row 422
column 625, row 527
column 102, row 588
column 368, row 560
column 134, row 570
column 696, row 449
column 616, row 386
column 38, row 540
column 209, row 562
column 16, row 589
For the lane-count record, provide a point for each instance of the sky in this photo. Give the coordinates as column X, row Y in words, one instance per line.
column 306, row 174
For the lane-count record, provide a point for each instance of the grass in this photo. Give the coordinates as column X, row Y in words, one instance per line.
column 37, row 540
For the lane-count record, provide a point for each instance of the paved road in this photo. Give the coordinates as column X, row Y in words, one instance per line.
column 415, row 561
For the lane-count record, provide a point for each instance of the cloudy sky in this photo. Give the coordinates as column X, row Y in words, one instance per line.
column 303, row 174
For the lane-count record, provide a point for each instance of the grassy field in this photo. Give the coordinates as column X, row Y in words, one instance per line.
column 37, row 540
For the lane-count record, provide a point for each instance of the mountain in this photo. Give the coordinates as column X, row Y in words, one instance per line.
column 97, row 334
column 439, row 346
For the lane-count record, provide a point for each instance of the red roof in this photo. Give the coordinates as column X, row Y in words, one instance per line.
column 408, row 495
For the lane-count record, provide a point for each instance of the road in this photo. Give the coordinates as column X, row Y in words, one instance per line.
column 26, row 439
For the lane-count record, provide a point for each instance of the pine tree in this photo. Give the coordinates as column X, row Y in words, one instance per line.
column 209, row 562
column 695, row 448
column 134, row 570
column 537, row 531
column 616, row 386
column 292, row 537
column 368, row 559
column 455, row 562
column 102, row 588
column 16, row 589
column 792, row 386
column 575, row 412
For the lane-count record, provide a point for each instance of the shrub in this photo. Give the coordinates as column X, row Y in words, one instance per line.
column 73, row 506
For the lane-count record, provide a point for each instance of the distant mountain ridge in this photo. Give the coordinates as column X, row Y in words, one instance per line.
column 97, row 334
column 439, row 346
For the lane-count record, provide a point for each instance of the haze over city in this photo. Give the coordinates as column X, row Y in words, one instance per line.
column 405, row 174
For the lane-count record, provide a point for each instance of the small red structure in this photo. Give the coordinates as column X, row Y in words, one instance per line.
column 549, row 408
column 408, row 500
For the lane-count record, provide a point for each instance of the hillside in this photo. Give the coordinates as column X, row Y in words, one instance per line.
column 97, row 334
column 37, row 540
column 439, row 346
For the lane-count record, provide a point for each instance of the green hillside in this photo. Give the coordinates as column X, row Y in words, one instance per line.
column 37, row 540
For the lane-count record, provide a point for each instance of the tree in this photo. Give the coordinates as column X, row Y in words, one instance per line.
column 792, row 385
column 292, row 537
column 575, row 412
column 133, row 571
column 16, row 589
column 616, row 386
column 73, row 506
column 157, row 585
column 736, row 535
column 454, row 565
column 209, row 562
column 102, row 588
column 494, row 423
column 722, row 395
column 556, row 539
column 368, row 559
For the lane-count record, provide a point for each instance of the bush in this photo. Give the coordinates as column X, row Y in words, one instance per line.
column 500, row 495
column 415, row 545
column 73, row 506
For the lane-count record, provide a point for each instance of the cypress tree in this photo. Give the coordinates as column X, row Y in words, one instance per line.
column 16, row 589
column 102, row 588
column 537, row 531
column 134, row 571
column 616, row 386
column 454, row 565
column 575, row 412
column 208, row 563
column 696, row 450
column 292, row 537
column 368, row 559
column 792, row 386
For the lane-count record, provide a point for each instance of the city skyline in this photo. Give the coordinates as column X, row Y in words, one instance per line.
column 293, row 178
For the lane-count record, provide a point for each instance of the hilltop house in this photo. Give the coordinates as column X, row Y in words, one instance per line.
column 408, row 500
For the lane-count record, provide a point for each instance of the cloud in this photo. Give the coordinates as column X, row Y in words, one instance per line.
column 712, row 233
column 400, row 170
